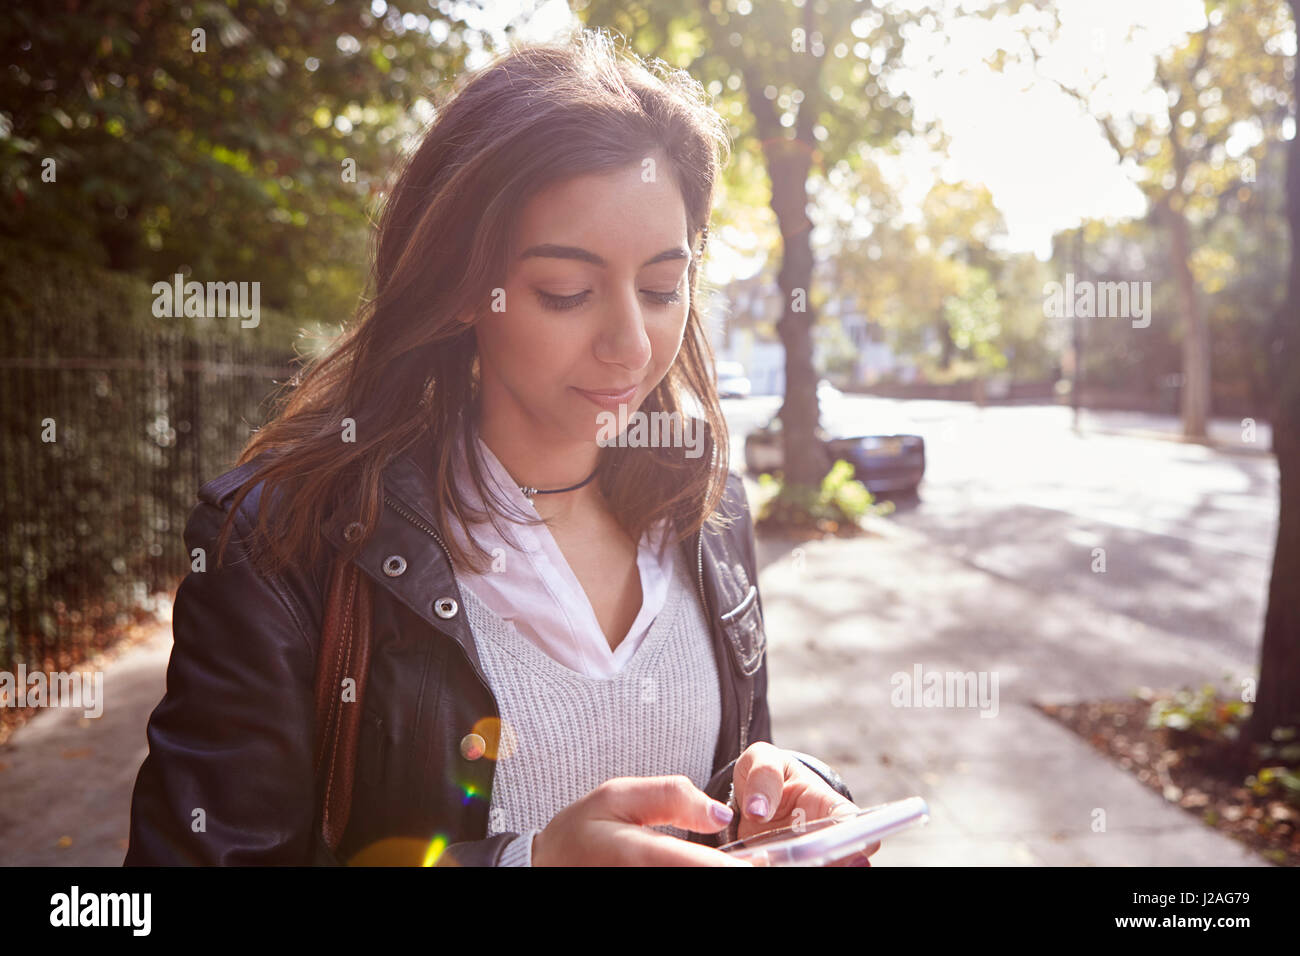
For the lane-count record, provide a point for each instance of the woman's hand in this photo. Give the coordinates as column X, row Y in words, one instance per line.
column 608, row 827
column 771, row 785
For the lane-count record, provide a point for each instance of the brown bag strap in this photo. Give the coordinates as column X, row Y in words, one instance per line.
column 344, row 653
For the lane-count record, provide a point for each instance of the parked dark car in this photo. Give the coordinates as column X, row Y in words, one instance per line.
column 886, row 455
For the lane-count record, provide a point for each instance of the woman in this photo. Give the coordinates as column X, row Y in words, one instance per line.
column 568, row 656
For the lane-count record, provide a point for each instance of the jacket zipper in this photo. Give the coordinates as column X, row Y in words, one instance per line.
column 427, row 529
column 699, row 565
column 423, row 526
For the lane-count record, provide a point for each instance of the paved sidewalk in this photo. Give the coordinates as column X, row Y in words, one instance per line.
column 65, row 779
column 842, row 617
column 1225, row 434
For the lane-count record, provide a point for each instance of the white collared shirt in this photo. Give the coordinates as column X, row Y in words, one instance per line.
column 537, row 591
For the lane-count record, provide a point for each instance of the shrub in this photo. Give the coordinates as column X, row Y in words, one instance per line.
column 837, row 505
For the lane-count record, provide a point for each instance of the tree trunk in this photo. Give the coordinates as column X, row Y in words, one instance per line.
column 1277, row 702
column 1277, row 699
column 788, row 162
column 947, row 347
column 1196, row 332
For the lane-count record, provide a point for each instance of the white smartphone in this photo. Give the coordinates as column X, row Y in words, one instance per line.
column 819, row 842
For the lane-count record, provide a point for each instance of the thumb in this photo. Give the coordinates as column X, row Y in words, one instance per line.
column 843, row 808
column 671, row 799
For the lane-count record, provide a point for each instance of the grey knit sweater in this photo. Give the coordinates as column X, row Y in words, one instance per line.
column 563, row 734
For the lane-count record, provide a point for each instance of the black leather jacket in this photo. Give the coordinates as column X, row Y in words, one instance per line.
column 229, row 775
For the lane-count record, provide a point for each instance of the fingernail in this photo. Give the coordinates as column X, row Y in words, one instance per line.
column 721, row 812
column 757, row 806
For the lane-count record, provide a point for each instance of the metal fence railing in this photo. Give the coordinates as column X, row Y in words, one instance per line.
column 101, row 458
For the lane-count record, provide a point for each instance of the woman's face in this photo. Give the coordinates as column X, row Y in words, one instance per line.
column 593, row 307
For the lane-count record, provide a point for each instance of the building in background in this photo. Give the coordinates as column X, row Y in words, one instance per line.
column 848, row 347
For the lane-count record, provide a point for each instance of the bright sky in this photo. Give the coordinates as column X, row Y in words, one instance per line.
column 1046, row 164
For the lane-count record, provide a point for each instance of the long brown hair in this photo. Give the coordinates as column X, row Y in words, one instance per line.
column 405, row 367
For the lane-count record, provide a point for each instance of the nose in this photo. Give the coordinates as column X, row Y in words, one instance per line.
column 623, row 340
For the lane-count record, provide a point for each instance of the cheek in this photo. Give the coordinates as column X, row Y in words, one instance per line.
column 520, row 344
column 666, row 340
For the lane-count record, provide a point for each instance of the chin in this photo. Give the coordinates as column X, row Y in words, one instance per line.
column 589, row 420
column 581, row 428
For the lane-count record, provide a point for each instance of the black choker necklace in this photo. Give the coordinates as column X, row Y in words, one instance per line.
column 530, row 491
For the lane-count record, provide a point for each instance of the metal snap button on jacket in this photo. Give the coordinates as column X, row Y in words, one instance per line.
column 445, row 608
column 394, row 565
column 351, row 531
column 472, row 746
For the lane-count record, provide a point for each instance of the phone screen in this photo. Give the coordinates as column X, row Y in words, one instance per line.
column 823, row 841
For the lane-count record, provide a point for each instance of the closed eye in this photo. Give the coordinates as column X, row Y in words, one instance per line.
column 560, row 303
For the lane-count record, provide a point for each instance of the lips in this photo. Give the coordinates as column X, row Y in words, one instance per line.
column 607, row 398
column 610, row 392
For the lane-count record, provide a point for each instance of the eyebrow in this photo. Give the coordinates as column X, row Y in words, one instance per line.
column 552, row 251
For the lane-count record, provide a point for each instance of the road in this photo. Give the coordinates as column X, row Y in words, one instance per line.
column 1187, row 531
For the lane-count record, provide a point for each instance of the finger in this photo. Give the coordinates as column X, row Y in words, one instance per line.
column 671, row 799
column 818, row 801
column 862, row 857
column 844, row 808
column 648, row 848
column 759, row 780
